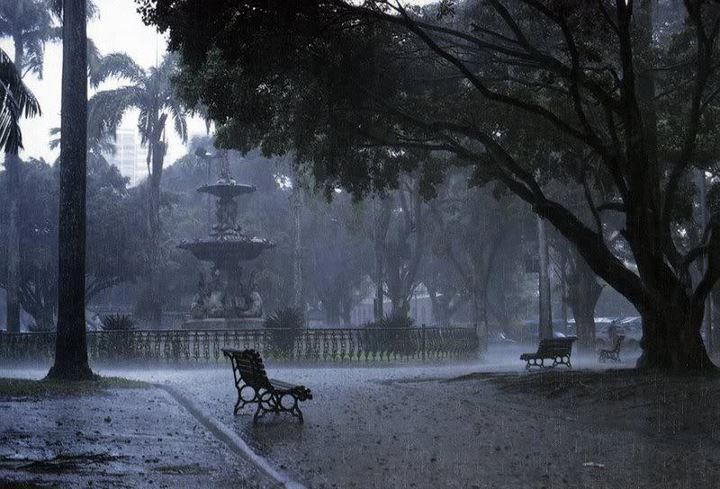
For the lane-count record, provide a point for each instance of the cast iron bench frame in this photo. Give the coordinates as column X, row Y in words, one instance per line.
column 254, row 386
column 613, row 354
column 556, row 349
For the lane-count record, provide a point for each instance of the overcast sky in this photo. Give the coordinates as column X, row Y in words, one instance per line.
column 117, row 28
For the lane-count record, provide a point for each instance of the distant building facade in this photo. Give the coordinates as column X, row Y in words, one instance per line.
column 130, row 156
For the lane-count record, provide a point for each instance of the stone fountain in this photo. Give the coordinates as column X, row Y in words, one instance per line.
column 224, row 300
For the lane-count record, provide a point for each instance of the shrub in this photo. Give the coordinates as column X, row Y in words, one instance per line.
column 394, row 321
column 385, row 336
column 288, row 324
column 286, row 318
column 117, row 322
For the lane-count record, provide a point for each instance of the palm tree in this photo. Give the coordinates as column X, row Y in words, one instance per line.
column 71, row 361
column 151, row 93
column 17, row 100
column 30, row 25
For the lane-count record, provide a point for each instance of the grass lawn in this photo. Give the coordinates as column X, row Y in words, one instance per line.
column 23, row 388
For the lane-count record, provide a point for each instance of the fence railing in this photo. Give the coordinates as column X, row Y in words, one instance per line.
column 321, row 345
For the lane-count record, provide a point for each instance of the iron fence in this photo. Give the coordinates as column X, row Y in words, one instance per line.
column 320, row 345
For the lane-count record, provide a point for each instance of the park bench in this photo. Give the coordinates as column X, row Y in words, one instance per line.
column 557, row 349
column 612, row 354
column 254, row 387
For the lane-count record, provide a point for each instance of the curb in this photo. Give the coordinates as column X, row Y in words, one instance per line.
column 231, row 439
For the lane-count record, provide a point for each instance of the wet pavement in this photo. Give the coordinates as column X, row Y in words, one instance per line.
column 412, row 427
column 116, row 438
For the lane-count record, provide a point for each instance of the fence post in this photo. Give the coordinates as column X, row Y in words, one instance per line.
column 422, row 342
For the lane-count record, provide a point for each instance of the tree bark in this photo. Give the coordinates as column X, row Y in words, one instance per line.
column 671, row 338
column 297, row 204
column 12, row 166
column 157, row 149
column 71, row 360
column 545, row 329
column 583, row 294
column 380, row 228
column 704, row 219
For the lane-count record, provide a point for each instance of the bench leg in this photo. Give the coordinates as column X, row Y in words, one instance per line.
column 244, row 401
column 292, row 407
column 266, row 403
column 534, row 362
column 259, row 412
column 298, row 414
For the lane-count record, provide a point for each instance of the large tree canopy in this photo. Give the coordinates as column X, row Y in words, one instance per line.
column 616, row 98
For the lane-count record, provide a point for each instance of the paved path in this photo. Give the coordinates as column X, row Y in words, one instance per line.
column 117, row 438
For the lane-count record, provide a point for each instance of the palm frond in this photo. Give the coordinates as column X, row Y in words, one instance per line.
column 179, row 118
column 144, row 124
column 10, row 134
column 17, row 101
column 116, row 65
column 54, row 138
column 106, row 109
column 98, row 142
column 56, row 6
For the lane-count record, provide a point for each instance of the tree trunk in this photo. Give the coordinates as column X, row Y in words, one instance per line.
column 382, row 220
column 564, row 292
column 475, row 301
column 583, row 294
column 545, row 329
column 46, row 318
column 709, row 335
column 704, row 219
column 297, row 204
column 400, row 305
column 671, row 338
column 156, row 293
column 12, row 166
column 71, row 360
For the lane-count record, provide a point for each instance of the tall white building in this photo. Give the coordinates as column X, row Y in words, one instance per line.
column 129, row 155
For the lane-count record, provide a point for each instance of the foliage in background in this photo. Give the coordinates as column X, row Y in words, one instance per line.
column 115, row 242
column 117, row 322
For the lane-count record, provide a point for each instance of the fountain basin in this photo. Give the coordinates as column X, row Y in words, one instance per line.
column 228, row 248
column 227, row 190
